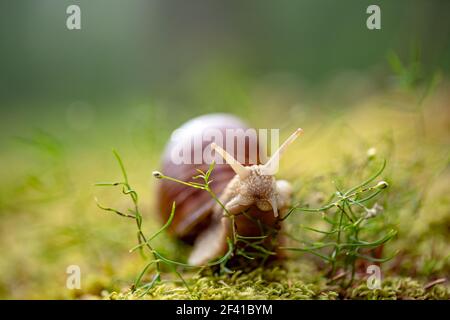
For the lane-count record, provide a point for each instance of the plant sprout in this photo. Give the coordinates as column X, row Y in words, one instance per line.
column 340, row 246
column 346, row 215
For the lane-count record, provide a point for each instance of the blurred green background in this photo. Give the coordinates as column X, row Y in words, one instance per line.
column 138, row 69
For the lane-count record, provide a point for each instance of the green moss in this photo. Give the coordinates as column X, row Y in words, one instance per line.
column 297, row 283
column 268, row 283
column 400, row 288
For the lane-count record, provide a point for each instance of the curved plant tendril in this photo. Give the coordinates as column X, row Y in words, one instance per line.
column 144, row 242
column 347, row 217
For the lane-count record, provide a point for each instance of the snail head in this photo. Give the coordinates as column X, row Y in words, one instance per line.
column 256, row 184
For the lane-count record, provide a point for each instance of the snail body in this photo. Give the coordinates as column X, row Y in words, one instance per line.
column 241, row 187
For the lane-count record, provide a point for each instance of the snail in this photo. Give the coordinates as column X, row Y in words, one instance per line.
column 245, row 186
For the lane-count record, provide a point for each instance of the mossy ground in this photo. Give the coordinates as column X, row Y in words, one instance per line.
column 49, row 219
column 289, row 284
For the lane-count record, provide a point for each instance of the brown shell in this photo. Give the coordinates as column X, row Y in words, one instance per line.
column 194, row 206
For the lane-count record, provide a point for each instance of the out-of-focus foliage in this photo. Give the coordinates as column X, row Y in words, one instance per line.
column 134, row 73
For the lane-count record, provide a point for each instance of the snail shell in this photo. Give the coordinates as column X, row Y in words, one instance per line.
column 194, row 205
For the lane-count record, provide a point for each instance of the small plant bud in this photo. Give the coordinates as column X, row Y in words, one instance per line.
column 371, row 153
column 157, row 174
column 382, row 185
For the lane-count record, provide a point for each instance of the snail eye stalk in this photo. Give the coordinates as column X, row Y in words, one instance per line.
column 271, row 165
column 240, row 170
